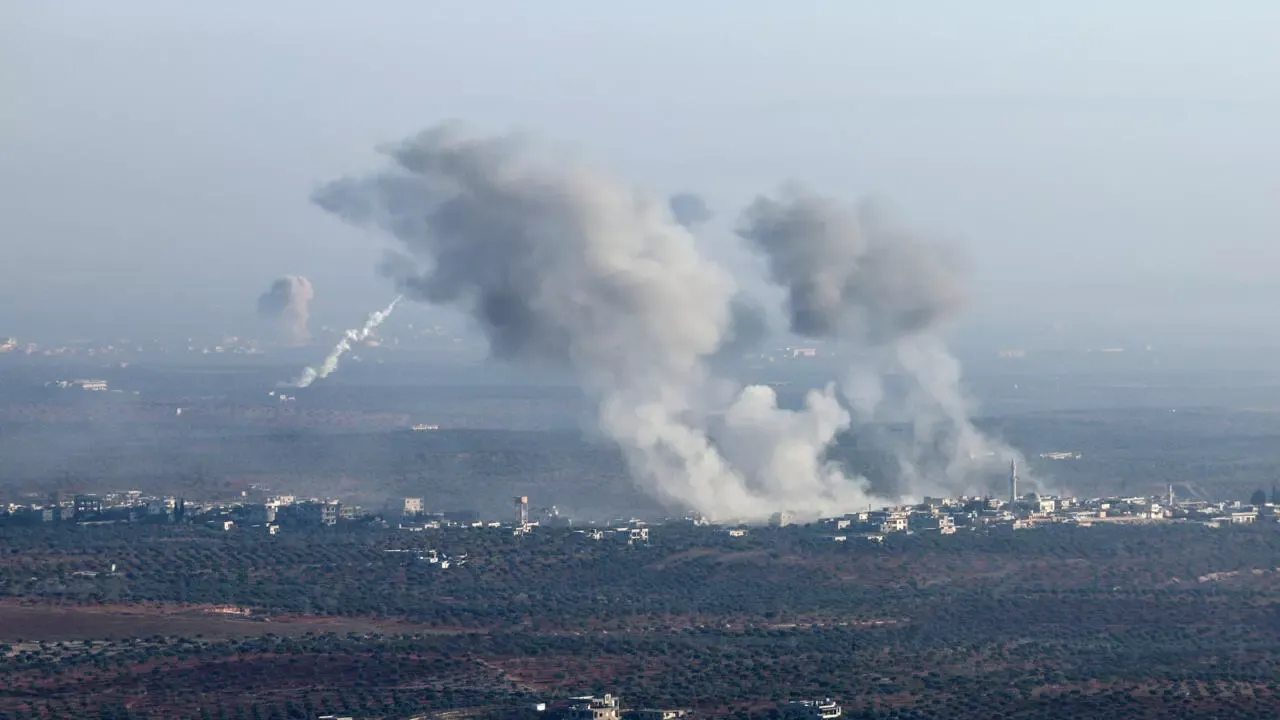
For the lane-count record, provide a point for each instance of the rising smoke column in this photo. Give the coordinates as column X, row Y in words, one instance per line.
column 312, row 374
column 850, row 276
column 747, row 325
column 287, row 301
column 559, row 263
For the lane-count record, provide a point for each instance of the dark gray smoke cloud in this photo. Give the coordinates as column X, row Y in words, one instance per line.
column 560, row 263
column 689, row 209
column 850, row 275
column 846, row 272
column 288, row 302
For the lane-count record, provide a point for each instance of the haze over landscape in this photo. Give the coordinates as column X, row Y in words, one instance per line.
column 1050, row 142
column 850, row 360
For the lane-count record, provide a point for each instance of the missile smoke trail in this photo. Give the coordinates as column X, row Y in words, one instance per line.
column 312, row 374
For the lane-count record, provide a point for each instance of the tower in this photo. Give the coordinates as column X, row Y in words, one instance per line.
column 1169, row 497
column 1013, row 481
column 522, row 511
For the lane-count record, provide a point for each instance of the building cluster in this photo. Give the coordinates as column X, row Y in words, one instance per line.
column 134, row 506
column 637, row 532
column 610, row 707
column 949, row 515
column 116, row 506
column 607, row 707
column 434, row 558
column 944, row 516
column 1017, row 511
column 93, row 385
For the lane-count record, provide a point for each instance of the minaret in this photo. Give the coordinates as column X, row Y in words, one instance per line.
column 1013, row 481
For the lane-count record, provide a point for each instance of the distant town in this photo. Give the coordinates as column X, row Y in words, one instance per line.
column 260, row 511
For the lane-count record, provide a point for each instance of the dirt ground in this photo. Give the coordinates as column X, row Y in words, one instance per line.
column 35, row 622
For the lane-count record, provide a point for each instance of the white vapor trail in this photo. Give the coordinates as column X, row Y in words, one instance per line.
column 312, row 374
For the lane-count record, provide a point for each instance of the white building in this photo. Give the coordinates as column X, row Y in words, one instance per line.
column 826, row 709
column 593, row 708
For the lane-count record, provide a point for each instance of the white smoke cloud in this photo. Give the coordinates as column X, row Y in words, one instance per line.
column 852, row 277
column 288, row 302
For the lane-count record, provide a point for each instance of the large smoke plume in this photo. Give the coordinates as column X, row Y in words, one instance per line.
column 852, row 276
column 559, row 263
column 287, row 302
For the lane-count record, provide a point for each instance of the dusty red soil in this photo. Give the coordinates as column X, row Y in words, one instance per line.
column 27, row 621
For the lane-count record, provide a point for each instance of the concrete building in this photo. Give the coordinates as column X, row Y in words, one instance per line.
column 412, row 507
column 593, row 708
column 632, row 535
column 88, row 505
column 653, row 714
column 260, row 514
column 895, row 523
column 318, row 513
column 781, row 519
column 921, row 522
column 826, row 709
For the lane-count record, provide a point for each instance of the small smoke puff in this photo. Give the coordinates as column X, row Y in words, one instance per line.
column 689, row 209
column 288, row 300
column 847, row 273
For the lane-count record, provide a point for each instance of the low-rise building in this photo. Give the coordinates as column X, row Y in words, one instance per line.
column 318, row 513
column 653, row 714
column 608, row 707
column 260, row 514
column 88, row 505
column 825, row 709
column 921, row 522
column 895, row 523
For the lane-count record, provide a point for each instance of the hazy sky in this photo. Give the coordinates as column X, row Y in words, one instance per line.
column 156, row 156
